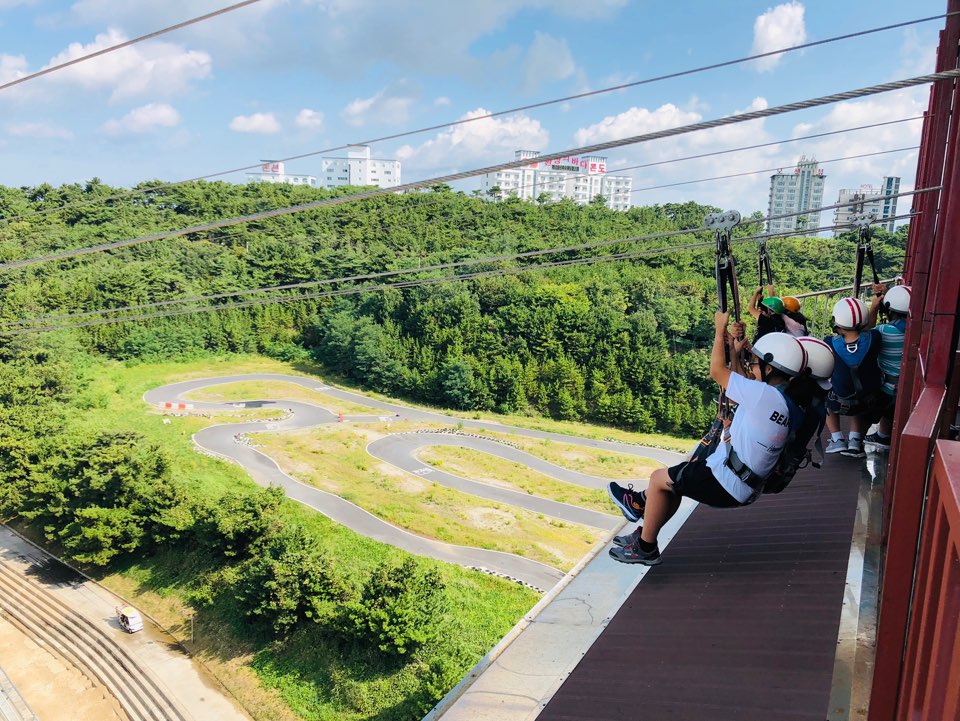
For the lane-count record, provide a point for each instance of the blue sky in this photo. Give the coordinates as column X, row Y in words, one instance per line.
column 285, row 77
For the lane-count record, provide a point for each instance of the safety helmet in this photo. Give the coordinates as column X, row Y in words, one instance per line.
column 781, row 351
column 820, row 358
column 790, row 303
column 897, row 299
column 773, row 303
column 850, row 314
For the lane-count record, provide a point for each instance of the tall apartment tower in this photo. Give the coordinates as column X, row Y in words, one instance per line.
column 580, row 178
column 796, row 192
column 358, row 168
column 867, row 199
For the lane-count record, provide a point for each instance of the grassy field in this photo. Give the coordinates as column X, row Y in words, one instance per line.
column 278, row 390
column 308, row 676
column 480, row 466
column 594, row 461
column 334, row 458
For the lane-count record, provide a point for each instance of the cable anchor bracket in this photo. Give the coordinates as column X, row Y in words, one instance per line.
column 862, row 223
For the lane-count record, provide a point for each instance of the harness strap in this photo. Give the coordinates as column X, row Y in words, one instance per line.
column 726, row 273
column 742, row 471
column 864, row 249
column 763, row 263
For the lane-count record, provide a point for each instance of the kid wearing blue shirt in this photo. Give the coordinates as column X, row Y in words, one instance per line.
column 856, row 376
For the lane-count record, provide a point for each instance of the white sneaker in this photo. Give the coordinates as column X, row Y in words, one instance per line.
column 836, row 446
column 854, row 449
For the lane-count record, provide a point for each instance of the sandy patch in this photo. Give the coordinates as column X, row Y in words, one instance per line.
column 54, row 689
column 490, row 519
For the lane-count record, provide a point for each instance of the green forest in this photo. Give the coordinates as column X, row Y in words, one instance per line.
column 623, row 344
column 616, row 343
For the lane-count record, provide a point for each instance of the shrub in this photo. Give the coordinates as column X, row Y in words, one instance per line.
column 399, row 609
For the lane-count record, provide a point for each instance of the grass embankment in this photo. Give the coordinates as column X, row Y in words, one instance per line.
column 307, row 676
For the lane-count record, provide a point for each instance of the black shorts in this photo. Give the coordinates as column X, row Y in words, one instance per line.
column 695, row 480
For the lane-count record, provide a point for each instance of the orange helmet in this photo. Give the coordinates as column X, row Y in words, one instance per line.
column 791, row 303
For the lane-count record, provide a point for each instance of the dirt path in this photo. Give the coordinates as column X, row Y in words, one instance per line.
column 54, row 689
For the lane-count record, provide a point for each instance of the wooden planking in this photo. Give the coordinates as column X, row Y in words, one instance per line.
column 741, row 620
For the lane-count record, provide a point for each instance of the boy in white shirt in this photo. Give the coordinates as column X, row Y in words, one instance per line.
column 734, row 473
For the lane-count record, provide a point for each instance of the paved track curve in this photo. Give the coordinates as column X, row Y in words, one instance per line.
column 400, row 451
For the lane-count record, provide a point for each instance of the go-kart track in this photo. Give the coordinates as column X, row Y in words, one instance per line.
column 400, row 451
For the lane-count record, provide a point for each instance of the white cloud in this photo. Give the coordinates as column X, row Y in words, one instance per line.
column 341, row 37
column 442, row 101
column 145, row 119
column 918, row 56
column 870, row 170
column 390, row 105
column 43, row 131
column 482, row 141
column 779, row 27
column 9, row 4
column 549, row 59
column 309, row 119
column 149, row 68
column 746, row 193
column 263, row 123
column 635, row 121
column 12, row 67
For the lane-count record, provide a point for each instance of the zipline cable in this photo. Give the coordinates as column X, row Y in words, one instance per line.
column 128, row 43
column 433, row 198
column 545, row 103
column 587, row 149
column 626, row 255
column 767, row 170
column 473, row 261
column 123, row 196
column 425, row 200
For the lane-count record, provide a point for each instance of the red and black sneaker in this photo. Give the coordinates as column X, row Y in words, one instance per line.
column 629, row 501
column 633, row 554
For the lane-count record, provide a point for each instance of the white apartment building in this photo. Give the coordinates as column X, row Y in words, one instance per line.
column 358, row 168
column 580, row 178
column 801, row 190
column 859, row 201
column 274, row 172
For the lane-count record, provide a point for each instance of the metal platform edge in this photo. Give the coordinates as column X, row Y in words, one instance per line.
column 517, row 678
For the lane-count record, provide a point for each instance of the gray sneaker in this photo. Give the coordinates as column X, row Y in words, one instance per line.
column 836, row 446
column 854, row 449
column 878, row 441
column 629, row 539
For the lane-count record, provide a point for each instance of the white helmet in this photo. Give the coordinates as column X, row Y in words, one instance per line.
column 850, row 314
column 820, row 358
column 897, row 299
column 781, row 351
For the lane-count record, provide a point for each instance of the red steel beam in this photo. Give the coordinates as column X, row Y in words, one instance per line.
column 930, row 688
column 922, row 388
column 921, row 243
column 915, row 446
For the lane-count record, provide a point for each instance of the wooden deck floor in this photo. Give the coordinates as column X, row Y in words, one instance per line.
column 740, row 622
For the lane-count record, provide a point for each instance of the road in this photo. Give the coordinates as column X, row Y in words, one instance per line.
column 75, row 620
column 400, row 451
